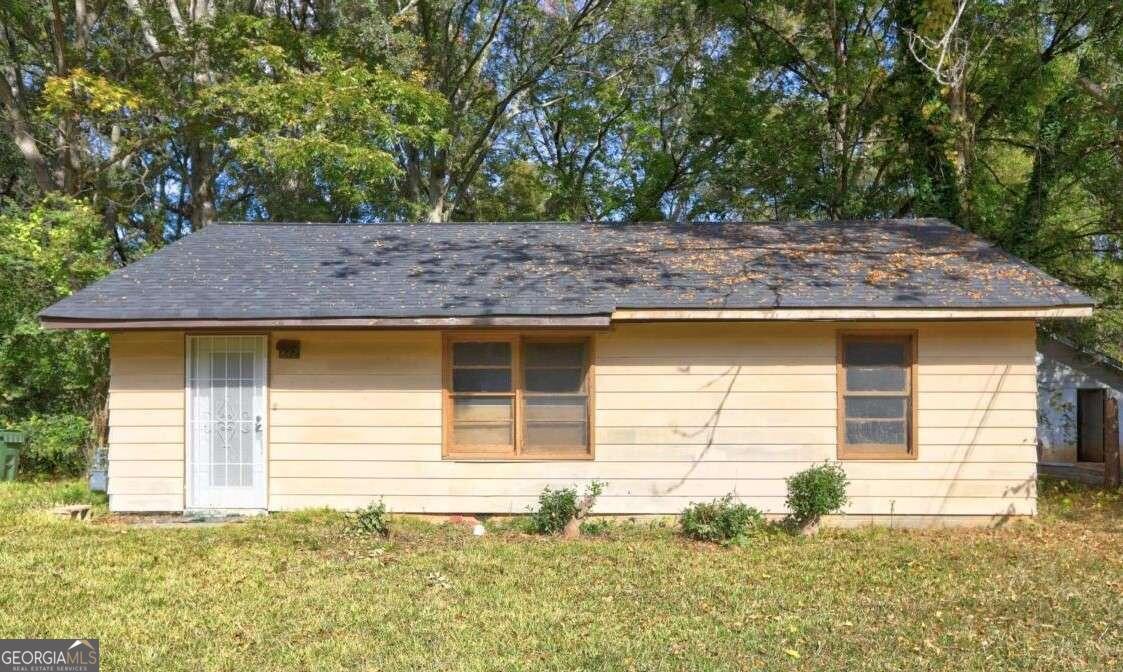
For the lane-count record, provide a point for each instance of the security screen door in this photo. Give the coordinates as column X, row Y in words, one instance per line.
column 226, row 422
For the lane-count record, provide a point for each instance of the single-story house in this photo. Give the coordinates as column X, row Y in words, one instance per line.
column 461, row 368
column 1078, row 398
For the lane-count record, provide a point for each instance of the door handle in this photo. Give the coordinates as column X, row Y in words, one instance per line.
column 257, row 424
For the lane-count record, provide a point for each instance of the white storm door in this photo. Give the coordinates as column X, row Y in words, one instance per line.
column 226, row 422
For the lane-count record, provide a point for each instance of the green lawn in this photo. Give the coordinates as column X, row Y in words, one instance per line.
column 302, row 591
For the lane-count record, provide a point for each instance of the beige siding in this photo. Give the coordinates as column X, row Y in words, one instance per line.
column 684, row 412
column 146, row 421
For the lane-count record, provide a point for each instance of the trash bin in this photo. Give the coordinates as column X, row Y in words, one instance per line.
column 10, row 443
column 99, row 471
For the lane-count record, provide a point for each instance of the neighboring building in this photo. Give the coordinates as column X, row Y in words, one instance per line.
column 463, row 367
column 1072, row 387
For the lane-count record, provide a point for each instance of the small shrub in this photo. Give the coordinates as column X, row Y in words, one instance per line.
column 721, row 521
column 55, row 445
column 556, row 508
column 373, row 519
column 815, row 492
column 595, row 528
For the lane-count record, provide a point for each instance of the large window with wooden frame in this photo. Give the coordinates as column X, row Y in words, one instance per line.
column 877, row 395
column 517, row 396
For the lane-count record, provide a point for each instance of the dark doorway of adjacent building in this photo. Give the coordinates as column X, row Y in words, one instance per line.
column 1090, row 425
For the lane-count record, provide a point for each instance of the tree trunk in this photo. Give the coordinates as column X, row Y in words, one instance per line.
column 1111, row 442
column 202, row 185
column 437, row 213
column 21, row 132
column 439, row 208
column 1035, row 204
column 964, row 141
column 838, row 113
column 928, row 148
column 810, row 528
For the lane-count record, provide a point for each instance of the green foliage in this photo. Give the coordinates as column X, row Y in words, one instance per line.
column 82, row 91
column 557, row 507
column 56, row 445
column 723, row 521
column 816, row 491
column 523, row 194
column 52, row 248
column 49, row 379
column 373, row 519
column 595, row 528
column 311, row 114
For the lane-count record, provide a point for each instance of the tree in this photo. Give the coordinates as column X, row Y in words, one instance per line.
column 137, row 122
column 485, row 59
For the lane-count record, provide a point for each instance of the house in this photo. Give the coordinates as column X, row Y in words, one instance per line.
column 463, row 367
column 1078, row 396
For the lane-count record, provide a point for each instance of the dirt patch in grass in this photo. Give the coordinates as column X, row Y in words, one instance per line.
column 303, row 590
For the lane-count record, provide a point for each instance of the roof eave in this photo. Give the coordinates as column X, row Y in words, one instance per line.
column 578, row 321
column 855, row 313
column 483, row 321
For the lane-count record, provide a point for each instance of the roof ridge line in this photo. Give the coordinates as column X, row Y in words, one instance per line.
column 602, row 222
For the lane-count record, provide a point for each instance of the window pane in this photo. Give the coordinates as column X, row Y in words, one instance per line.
column 875, row 407
column 875, row 353
column 481, row 354
column 889, row 432
column 875, row 378
column 482, row 409
column 553, row 380
column 481, row 380
column 555, row 408
column 548, row 435
column 481, row 434
column 555, row 354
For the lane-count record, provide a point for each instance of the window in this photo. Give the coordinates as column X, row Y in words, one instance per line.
column 516, row 396
column 876, row 396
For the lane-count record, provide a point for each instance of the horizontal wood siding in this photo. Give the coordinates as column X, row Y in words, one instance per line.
column 353, row 396
column 146, row 421
column 684, row 412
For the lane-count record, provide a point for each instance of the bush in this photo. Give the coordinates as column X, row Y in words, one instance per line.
column 46, row 251
column 721, row 521
column 556, row 508
column 816, row 492
column 55, row 445
column 595, row 528
column 373, row 519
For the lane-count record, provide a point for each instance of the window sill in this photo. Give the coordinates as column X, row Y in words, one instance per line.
column 875, row 457
column 514, row 458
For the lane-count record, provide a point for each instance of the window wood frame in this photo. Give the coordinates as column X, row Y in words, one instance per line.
column 450, row 451
column 876, row 451
column 481, row 450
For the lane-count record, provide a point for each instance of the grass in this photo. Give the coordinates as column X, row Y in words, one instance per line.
column 306, row 591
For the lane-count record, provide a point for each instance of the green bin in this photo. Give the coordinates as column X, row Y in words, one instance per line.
column 10, row 443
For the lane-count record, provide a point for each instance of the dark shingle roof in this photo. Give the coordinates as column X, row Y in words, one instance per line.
column 263, row 271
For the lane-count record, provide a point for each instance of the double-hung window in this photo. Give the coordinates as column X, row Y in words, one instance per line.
column 877, row 395
column 514, row 396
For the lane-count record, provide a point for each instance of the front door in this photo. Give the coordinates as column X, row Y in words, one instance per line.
column 226, row 422
column 1090, row 425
